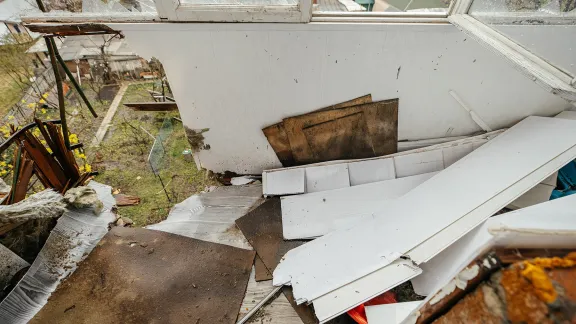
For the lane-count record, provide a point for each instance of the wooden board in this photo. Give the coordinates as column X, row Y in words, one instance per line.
column 294, row 125
column 71, row 29
column 262, row 273
column 342, row 138
column 437, row 212
column 152, row 106
column 262, row 227
column 278, row 139
column 136, row 275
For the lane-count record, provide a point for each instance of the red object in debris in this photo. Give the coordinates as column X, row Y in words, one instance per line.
column 359, row 314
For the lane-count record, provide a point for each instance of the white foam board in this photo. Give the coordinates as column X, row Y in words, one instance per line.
column 290, row 181
column 327, row 177
column 547, row 225
column 536, row 195
column 514, row 160
column 455, row 153
column 316, row 214
column 360, row 291
column 369, row 171
column 390, row 313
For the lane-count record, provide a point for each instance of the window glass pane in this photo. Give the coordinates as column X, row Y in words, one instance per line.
column 18, row 8
column 540, row 7
column 242, row 2
column 383, row 5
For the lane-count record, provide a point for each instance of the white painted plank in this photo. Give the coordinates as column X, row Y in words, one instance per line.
column 455, row 153
column 476, row 141
column 512, row 161
column 568, row 114
column 369, row 171
column 539, row 194
column 283, row 182
column 390, row 313
column 546, row 225
column 360, row 291
column 319, row 213
column 412, row 145
column 327, row 178
column 418, row 163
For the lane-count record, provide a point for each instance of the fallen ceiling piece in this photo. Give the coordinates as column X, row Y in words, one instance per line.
column 136, row 275
column 76, row 234
column 390, row 313
column 327, row 178
column 549, row 224
column 262, row 227
column 315, row 214
column 210, row 216
column 289, row 181
column 438, row 212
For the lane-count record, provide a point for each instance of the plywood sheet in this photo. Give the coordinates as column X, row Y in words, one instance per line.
column 516, row 160
column 136, row 275
column 342, row 138
column 377, row 119
column 262, row 273
column 262, row 227
column 278, row 139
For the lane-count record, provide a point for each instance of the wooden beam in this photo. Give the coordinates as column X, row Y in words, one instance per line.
column 152, row 106
column 71, row 29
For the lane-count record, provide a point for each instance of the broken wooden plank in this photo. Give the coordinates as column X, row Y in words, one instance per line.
column 523, row 156
column 71, row 29
column 342, row 138
column 278, row 139
column 152, row 106
column 126, row 200
column 211, row 293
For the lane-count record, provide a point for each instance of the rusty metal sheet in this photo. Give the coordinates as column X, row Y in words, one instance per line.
column 262, row 227
column 136, row 275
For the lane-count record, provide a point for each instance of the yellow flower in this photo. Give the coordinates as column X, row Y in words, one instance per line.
column 9, row 166
column 6, row 135
column 43, row 110
column 32, row 105
column 10, row 117
column 23, row 101
column 45, row 95
column 73, row 138
column 3, row 172
column 49, row 150
column 2, row 163
column 41, row 101
column 88, row 167
column 81, row 168
column 82, row 156
column 43, row 142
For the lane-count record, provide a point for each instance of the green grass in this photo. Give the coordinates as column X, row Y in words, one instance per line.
column 10, row 94
column 122, row 161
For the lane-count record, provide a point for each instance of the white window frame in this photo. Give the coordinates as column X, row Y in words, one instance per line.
column 173, row 10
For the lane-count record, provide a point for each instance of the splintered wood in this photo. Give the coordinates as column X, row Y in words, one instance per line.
column 48, row 159
column 358, row 128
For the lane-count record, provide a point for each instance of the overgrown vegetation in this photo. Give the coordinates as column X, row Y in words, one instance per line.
column 122, row 160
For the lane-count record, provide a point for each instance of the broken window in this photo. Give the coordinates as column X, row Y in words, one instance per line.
column 383, row 6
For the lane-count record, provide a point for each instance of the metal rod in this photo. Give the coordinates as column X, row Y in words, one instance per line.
column 61, row 103
column 72, row 79
column 259, row 305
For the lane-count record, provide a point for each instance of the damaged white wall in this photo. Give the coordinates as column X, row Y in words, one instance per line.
column 236, row 79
